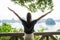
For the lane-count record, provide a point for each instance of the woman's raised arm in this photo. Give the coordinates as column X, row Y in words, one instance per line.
column 15, row 13
column 44, row 15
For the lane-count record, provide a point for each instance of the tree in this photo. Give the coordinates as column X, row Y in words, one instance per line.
column 34, row 5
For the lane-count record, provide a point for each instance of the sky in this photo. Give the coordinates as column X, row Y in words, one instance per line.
column 22, row 11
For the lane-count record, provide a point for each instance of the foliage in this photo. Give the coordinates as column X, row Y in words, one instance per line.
column 41, row 30
column 36, row 37
column 20, row 30
column 34, row 5
column 5, row 27
column 58, row 30
column 4, row 38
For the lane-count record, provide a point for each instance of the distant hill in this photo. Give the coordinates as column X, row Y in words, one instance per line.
column 50, row 21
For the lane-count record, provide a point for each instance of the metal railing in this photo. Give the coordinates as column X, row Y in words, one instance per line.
column 20, row 35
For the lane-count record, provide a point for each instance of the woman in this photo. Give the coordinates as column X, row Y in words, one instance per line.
column 29, row 24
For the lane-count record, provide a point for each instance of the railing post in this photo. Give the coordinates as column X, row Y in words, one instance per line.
column 53, row 37
column 42, row 37
column 47, row 37
column 21, row 37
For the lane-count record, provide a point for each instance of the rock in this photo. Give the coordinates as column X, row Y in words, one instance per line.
column 50, row 21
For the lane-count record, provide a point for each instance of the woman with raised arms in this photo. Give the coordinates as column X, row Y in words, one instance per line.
column 29, row 24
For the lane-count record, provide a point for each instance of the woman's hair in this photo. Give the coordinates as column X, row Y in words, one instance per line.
column 28, row 16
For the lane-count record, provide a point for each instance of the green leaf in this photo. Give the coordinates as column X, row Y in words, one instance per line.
column 35, row 4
